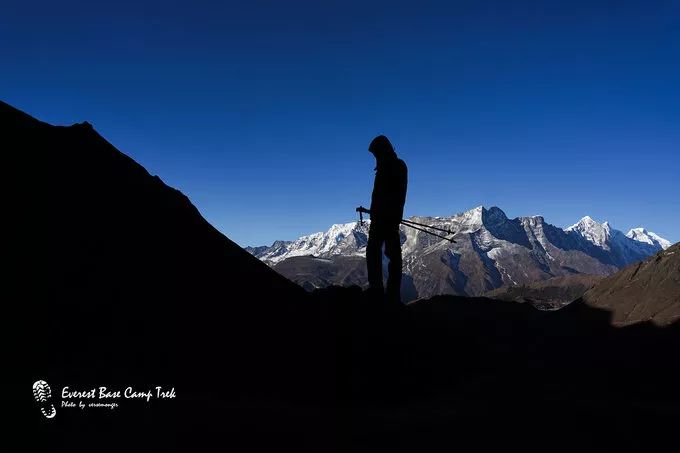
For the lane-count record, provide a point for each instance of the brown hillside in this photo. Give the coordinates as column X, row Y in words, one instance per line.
column 646, row 291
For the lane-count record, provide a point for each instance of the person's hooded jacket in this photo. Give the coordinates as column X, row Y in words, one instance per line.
column 391, row 180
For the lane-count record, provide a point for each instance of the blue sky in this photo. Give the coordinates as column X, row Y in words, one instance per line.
column 261, row 112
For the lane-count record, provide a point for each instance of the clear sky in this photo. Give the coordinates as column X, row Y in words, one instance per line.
column 261, row 112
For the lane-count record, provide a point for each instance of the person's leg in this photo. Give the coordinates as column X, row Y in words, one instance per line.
column 374, row 258
column 393, row 252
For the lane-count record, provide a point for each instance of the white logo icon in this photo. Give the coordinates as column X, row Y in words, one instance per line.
column 43, row 394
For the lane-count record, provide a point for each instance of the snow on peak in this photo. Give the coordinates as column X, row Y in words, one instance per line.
column 642, row 235
column 340, row 230
column 588, row 223
column 471, row 220
column 585, row 223
column 533, row 221
column 341, row 238
column 594, row 232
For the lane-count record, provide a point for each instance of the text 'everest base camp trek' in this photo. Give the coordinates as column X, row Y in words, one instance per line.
column 524, row 259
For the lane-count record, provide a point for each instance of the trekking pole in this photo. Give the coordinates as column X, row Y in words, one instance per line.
column 426, row 231
column 415, row 225
column 427, row 226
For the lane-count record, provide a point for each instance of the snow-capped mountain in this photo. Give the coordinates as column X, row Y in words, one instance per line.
column 340, row 239
column 491, row 250
column 642, row 235
column 623, row 249
column 597, row 233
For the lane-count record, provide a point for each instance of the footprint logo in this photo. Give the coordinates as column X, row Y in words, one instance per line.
column 43, row 394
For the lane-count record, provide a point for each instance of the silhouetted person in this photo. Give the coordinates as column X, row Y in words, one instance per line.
column 387, row 210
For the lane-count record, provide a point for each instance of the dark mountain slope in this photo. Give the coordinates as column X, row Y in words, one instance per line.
column 129, row 285
column 646, row 291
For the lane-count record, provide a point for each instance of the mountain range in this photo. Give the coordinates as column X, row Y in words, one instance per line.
column 491, row 251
